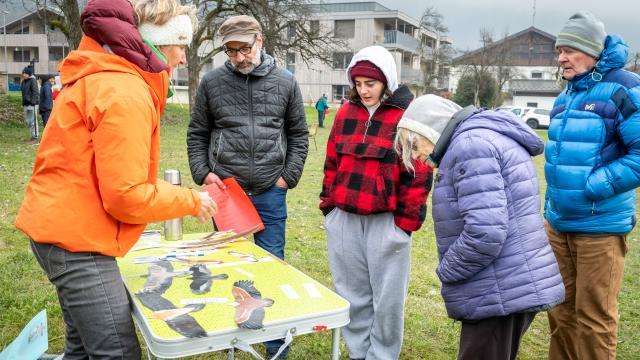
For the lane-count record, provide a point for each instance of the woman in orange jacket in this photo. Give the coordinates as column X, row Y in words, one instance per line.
column 94, row 185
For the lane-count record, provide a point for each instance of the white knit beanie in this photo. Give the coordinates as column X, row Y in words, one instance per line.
column 177, row 31
column 428, row 115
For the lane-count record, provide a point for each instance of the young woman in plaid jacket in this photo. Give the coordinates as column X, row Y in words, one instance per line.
column 372, row 204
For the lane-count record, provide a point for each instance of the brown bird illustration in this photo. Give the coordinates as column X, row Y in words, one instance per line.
column 249, row 305
column 176, row 318
column 201, row 278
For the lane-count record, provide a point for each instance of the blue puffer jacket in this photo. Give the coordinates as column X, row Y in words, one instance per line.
column 593, row 154
column 495, row 258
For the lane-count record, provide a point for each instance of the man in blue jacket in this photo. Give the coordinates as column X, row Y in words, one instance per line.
column 46, row 98
column 592, row 170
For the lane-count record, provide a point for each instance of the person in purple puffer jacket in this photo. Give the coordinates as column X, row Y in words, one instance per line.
column 496, row 265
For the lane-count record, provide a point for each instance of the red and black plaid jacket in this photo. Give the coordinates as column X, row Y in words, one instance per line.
column 362, row 172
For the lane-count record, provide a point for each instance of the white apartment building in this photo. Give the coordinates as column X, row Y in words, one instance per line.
column 28, row 40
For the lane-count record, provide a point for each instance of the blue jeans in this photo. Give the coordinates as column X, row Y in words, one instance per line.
column 45, row 117
column 94, row 302
column 320, row 118
column 272, row 208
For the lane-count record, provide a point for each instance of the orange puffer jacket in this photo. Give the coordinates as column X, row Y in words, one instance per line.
column 94, row 185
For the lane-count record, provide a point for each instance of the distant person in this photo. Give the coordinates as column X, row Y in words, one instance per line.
column 321, row 107
column 495, row 263
column 46, row 98
column 593, row 171
column 30, row 94
column 372, row 203
column 94, row 186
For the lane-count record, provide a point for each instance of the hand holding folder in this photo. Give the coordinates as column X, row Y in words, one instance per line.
column 235, row 210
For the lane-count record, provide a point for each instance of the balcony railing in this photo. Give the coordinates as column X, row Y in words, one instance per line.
column 400, row 39
column 410, row 75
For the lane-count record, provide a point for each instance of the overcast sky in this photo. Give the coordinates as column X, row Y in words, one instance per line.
column 465, row 17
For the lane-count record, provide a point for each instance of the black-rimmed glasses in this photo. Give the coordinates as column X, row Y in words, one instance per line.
column 245, row 50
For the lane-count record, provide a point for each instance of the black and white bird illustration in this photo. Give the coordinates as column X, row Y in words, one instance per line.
column 176, row 318
column 201, row 278
column 249, row 305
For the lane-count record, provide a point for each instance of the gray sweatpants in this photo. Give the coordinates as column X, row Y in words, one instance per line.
column 369, row 257
column 31, row 120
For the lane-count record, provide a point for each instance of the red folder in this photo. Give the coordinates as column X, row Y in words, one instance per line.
column 235, row 210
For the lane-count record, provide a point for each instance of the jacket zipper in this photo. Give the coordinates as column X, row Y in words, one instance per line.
column 251, row 144
column 218, row 152
column 284, row 155
column 368, row 123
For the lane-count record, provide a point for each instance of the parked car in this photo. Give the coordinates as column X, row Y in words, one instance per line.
column 518, row 110
column 537, row 118
column 534, row 117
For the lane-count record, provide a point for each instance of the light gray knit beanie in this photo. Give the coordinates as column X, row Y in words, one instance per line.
column 428, row 115
column 584, row 32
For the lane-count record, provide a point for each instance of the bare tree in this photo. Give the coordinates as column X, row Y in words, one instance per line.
column 501, row 60
column 433, row 20
column 69, row 24
column 287, row 27
column 439, row 53
column 210, row 14
column 493, row 59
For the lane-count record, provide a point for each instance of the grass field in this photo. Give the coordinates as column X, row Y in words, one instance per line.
column 429, row 334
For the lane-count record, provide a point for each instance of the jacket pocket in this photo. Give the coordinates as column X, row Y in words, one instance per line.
column 51, row 258
column 367, row 169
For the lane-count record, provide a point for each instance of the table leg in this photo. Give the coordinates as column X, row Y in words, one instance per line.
column 231, row 354
column 335, row 344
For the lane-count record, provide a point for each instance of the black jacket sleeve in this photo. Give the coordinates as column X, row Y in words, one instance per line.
column 297, row 137
column 199, row 135
column 34, row 92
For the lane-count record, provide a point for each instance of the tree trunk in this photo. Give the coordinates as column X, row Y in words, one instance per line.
column 72, row 22
column 193, row 69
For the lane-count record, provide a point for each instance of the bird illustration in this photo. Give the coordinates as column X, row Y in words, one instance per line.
column 201, row 278
column 176, row 318
column 160, row 276
column 246, row 257
column 249, row 305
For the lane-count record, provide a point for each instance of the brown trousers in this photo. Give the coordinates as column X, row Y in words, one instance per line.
column 585, row 325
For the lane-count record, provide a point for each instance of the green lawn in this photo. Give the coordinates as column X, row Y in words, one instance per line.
column 429, row 334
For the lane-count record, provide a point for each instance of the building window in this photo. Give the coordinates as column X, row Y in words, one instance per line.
column 291, row 62
column 24, row 29
column 339, row 92
column 536, row 75
column 345, row 29
column 532, row 104
column 21, row 55
column 314, row 26
column 341, row 60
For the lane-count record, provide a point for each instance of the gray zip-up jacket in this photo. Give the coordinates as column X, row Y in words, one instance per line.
column 251, row 127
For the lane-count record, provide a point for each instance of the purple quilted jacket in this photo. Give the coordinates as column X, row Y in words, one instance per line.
column 495, row 258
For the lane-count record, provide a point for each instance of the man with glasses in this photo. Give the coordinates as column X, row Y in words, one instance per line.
column 248, row 122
